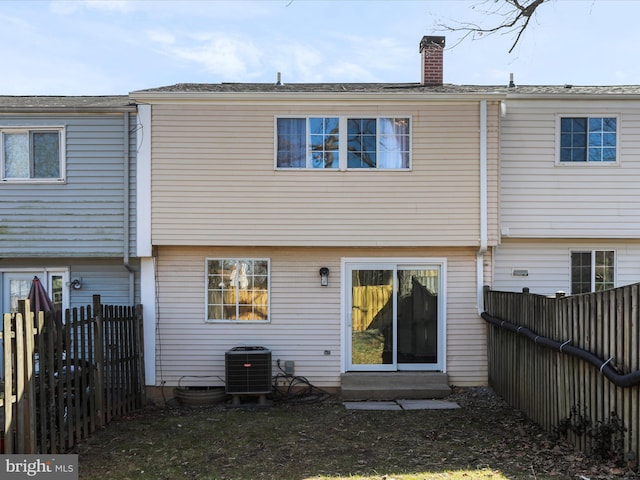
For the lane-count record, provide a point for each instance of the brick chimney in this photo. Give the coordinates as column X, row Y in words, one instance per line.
column 432, row 49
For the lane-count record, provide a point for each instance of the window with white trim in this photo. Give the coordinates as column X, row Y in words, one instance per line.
column 589, row 139
column 32, row 154
column 343, row 143
column 237, row 290
column 592, row 271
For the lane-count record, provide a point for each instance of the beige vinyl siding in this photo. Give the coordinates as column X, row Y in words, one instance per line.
column 548, row 262
column 493, row 172
column 214, row 181
column 540, row 199
column 305, row 318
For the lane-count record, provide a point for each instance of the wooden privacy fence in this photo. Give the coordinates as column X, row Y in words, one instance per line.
column 63, row 378
column 570, row 363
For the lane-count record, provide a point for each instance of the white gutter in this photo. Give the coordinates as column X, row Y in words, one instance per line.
column 484, row 236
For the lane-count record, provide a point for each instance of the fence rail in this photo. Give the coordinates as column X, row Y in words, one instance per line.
column 65, row 378
column 545, row 363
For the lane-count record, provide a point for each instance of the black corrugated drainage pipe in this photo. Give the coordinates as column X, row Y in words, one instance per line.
column 605, row 366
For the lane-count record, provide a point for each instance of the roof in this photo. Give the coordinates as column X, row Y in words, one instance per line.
column 541, row 90
column 69, row 104
column 124, row 103
column 303, row 88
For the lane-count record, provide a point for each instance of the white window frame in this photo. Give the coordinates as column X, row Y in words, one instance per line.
column 347, row 264
column 28, row 130
column 592, row 272
column 342, row 140
column 586, row 163
column 206, row 290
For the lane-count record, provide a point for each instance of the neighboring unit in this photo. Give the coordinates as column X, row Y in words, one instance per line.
column 569, row 198
column 67, row 190
column 345, row 227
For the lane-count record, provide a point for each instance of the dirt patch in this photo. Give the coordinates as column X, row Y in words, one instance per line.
column 322, row 440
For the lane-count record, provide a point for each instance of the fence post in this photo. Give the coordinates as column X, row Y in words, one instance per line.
column 8, row 385
column 485, row 292
column 139, row 346
column 19, row 358
column 98, row 349
column 31, row 380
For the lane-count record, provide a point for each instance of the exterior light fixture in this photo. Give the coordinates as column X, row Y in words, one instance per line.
column 324, row 276
column 76, row 283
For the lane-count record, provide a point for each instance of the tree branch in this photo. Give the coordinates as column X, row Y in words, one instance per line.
column 517, row 19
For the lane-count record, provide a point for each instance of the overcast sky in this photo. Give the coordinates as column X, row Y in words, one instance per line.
column 109, row 47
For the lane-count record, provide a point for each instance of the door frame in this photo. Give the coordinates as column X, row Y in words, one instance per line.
column 349, row 263
column 44, row 274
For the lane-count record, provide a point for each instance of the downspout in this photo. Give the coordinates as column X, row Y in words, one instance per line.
column 126, row 216
column 484, row 236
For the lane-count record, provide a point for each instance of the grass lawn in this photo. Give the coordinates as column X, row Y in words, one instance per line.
column 482, row 440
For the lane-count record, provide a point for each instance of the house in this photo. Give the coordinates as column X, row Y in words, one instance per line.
column 569, row 199
column 68, row 203
column 346, row 228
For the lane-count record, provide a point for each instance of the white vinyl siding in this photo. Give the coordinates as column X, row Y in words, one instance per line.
column 541, row 199
column 305, row 317
column 548, row 263
column 213, row 177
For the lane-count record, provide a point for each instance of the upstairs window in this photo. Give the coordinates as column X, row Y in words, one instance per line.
column 592, row 271
column 32, row 154
column 343, row 143
column 588, row 139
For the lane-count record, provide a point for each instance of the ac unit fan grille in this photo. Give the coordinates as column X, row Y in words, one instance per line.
column 248, row 371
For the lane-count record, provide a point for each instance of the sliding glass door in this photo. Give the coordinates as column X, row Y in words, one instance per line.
column 394, row 315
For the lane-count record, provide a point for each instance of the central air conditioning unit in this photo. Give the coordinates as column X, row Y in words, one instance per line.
column 248, row 371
